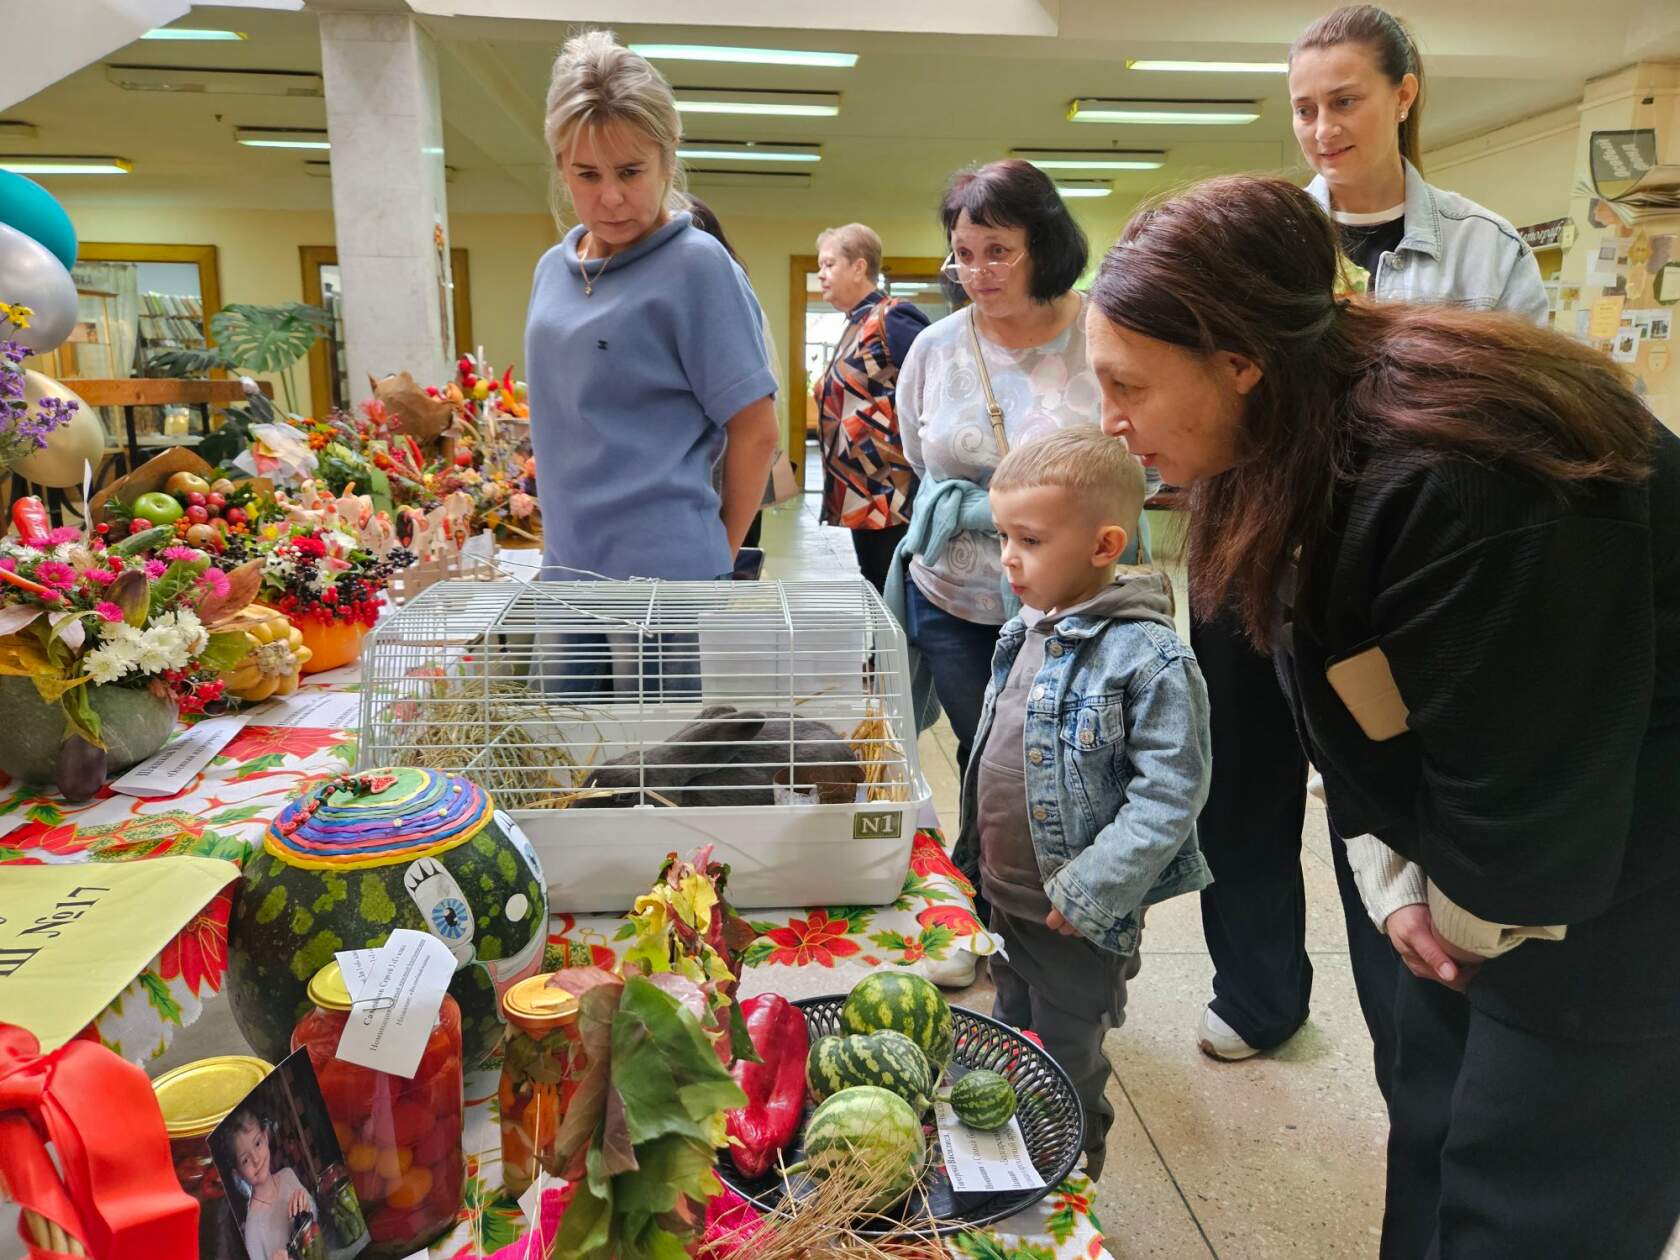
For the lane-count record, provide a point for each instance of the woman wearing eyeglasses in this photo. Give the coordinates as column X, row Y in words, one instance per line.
column 1004, row 370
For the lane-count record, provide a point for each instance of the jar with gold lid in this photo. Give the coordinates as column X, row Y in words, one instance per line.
column 542, row 1063
column 401, row 1137
column 194, row 1099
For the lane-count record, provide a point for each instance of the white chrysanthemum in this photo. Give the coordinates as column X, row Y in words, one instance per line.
column 109, row 662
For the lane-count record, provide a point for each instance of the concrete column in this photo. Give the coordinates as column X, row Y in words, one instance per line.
column 385, row 120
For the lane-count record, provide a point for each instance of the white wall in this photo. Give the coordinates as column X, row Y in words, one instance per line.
column 1524, row 171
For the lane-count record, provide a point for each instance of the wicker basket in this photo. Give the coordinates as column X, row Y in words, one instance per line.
column 1051, row 1120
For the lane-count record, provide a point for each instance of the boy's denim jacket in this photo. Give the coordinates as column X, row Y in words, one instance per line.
column 1454, row 252
column 1117, row 756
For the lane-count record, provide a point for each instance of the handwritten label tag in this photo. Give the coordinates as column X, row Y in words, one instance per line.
column 984, row 1163
column 318, row 707
column 395, row 993
column 177, row 764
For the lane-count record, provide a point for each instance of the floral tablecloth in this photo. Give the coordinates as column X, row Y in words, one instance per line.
column 930, row 929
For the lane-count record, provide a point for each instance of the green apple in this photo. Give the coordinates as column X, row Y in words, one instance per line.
column 158, row 508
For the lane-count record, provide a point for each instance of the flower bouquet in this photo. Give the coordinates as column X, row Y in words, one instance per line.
column 101, row 646
column 24, row 423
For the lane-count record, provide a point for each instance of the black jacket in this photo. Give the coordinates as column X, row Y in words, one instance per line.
column 1535, row 639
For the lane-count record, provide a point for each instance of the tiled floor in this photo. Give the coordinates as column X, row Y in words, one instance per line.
column 1278, row 1156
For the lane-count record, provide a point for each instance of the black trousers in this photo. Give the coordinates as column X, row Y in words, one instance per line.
column 1254, row 914
column 1505, row 1142
column 875, row 549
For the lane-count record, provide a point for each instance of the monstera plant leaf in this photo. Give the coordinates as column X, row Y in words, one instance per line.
column 268, row 338
column 188, row 364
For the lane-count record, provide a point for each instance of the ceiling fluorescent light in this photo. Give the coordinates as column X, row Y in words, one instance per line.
column 1213, row 67
column 1181, row 113
column 748, row 151
column 745, row 56
column 751, row 101
column 18, row 130
column 36, row 164
column 282, row 137
column 215, row 82
column 191, row 33
column 707, row 178
column 1093, row 159
column 1084, row 187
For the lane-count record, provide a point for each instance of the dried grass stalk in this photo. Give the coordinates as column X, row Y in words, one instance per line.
column 881, row 756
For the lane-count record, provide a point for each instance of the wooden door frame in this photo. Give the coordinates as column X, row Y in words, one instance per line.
column 313, row 257
column 800, row 266
column 207, row 257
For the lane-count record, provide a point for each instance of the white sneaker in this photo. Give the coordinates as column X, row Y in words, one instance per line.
column 1219, row 1040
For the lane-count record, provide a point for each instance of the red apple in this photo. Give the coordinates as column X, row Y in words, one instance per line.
column 198, row 514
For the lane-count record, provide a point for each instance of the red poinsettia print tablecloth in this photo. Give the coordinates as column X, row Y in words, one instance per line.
column 930, row 929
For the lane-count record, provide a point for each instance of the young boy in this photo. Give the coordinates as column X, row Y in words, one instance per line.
column 1091, row 758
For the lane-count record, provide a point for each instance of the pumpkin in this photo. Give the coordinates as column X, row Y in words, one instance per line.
column 273, row 660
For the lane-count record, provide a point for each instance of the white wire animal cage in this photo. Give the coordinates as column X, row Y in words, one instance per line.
column 619, row 721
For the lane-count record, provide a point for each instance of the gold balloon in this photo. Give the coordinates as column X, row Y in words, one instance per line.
column 59, row 463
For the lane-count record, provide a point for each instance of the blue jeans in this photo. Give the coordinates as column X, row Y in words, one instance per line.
column 959, row 653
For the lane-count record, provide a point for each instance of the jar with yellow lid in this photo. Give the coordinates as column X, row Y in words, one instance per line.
column 401, row 1137
column 194, row 1099
column 542, row 1064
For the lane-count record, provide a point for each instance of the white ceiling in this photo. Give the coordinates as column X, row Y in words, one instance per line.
column 916, row 106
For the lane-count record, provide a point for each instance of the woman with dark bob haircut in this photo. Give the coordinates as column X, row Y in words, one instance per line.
column 994, row 375
column 1459, row 537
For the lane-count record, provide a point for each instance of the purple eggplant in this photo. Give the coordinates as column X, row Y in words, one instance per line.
column 81, row 768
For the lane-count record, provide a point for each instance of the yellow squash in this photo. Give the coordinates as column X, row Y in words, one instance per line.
column 274, row 660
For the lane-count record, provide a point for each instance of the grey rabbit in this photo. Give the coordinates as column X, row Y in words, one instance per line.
column 726, row 756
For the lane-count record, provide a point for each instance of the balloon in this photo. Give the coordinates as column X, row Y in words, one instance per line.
column 30, row 275
column 35, row 212
column 59, row 463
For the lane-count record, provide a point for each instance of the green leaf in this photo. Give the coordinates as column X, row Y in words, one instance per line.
column 890, row 940
column 157, row 993
column 670, row 1169
column 239, row 813
column 224, row 651
column 177, row 579
column 586, row 1229
column 268, row 338
column 978, row 1246
column 664, row 1067
column 46, row 813
column 345, row 752
column 257, row 765
column 80, row 717
column 757, row 954
column 188, row 363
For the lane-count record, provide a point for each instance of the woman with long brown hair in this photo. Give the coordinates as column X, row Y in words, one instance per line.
column 1459, row 537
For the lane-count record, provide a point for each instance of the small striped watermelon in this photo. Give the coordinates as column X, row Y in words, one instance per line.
column 982, row 1100
column 905, row 1004
column 869, row 1135
column 886, row 1058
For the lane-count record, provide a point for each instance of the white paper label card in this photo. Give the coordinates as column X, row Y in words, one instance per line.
column 394, row 1003
column 178, row 762
column 530, row 1202
column 984, row 1163
column 314, row 706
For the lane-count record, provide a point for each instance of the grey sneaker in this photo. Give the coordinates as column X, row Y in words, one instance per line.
column 1219, row 1040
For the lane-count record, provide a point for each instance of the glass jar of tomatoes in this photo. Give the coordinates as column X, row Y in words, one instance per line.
column 401, row 1138
column 542, row 1062
column 194, row 1099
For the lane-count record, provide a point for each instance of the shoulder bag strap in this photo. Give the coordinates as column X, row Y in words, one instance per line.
column 992, row 408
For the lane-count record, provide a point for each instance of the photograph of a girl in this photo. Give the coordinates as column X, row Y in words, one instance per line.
column 288, row 1188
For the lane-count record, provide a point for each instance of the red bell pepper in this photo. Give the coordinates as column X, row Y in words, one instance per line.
column 34, row 526
column 775, row 1087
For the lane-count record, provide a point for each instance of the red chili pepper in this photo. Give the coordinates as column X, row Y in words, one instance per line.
column 18, row 580
column 775, row 1088
column 34, row 526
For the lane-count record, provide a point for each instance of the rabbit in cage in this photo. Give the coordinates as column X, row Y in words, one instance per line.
column 726, row 756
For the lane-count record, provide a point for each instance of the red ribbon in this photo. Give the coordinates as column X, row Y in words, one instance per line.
column 118, row 1193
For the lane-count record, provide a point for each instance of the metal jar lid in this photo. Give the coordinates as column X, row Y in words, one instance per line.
column 196, row 1097
column 533, row 1002
column 328, row 990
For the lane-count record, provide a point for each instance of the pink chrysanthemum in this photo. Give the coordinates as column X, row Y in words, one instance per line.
column 64, row 534
column 103, row 577
column 108, row 611
column 156, row 569
column 215, row 581
column 55, row 573
column 181, row 553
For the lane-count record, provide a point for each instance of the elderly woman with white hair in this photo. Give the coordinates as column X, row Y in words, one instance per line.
column 868, row 484
column 642, row 345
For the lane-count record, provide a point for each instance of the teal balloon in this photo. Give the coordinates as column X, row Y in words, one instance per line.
column 35, row 212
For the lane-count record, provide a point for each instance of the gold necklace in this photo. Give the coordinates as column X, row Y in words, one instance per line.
column 588, row 284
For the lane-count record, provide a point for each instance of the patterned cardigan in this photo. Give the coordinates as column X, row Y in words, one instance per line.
column 867, row 482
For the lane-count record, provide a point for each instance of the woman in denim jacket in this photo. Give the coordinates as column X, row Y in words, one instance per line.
column 1356, row 84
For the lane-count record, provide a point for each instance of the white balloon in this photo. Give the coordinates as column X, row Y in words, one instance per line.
column 32, row 276
column 59, row 462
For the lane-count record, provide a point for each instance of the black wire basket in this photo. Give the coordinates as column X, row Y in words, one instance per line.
column 1047, row 1109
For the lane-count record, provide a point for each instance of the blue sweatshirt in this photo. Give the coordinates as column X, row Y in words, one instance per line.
column 630, row 390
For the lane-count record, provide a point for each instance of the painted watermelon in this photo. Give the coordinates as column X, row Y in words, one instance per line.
column 982, row 1100
column 907, row 1004
column 886, row 1058
column 343, row 866
column 867, row 1133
